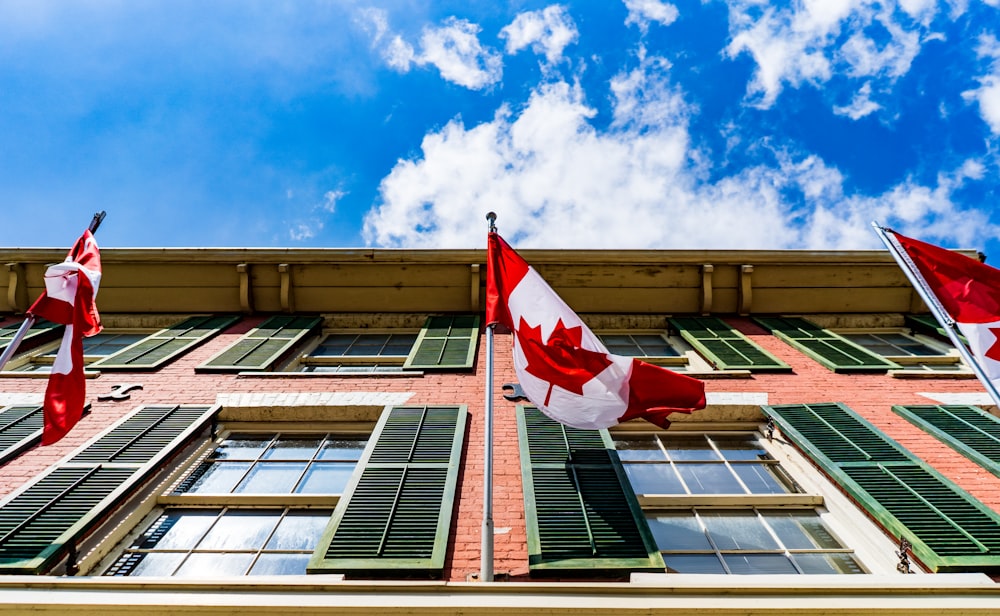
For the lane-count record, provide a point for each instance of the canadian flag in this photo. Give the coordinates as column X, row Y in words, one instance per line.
column 562, row 366
column 69, row 298
column 969, row 291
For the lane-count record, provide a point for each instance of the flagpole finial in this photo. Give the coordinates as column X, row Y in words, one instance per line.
column 492, row 217
column 97, row 220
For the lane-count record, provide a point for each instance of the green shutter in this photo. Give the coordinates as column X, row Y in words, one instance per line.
column 153, row 351
column 725, row 347
column 949, row 529
column 927, row 324
column 833, row 351
column 445, row 342
column 39, row 523
column 20, row 428
column 968, row 430
column 396, row 512
column 264, row 345
column 582, row 515
column 41, row 332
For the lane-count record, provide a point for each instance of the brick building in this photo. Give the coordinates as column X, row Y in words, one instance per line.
column 272, row 430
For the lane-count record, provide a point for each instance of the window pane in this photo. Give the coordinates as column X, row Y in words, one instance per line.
column 272, row 478
column 214, row 565
column 639, row 448
column 709, row 479
column 177, row 530
column 242, row 447
column 299, row 531
column 280, row 564
column 158, row 564
column 693, row 563
column 678, row 531
column 801, row 531
column 240, row 530
column 220, row 477
column 654, row 345
column 740, row 448
column 653, row 479
column 293, row 448
column 342, row 449
column 759, row 564
column 758, row 479
column 827, row 563
column 326, row 478
column 738, row 530
column 689, row 449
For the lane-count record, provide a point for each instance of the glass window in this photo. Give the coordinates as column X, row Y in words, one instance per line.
column 914, row 352
column 94, row 348
column 893, row 344
column 361, row 353
column 748, row 541
column 638, row 345
column 700, row 464
column 224, row 542
column 277, row 464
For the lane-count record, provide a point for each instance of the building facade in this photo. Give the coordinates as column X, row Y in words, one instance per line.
column 278, row 430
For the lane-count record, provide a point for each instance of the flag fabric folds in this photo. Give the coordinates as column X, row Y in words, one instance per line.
column 969, row 291
column 562, row 367
column 70, row 299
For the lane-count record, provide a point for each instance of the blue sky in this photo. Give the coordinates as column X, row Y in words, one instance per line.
column 698, row 124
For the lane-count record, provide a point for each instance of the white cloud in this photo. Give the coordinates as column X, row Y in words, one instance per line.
column 548, row 32
column 987, row 95
column 453, row 48
column 642, row 12
column 815, row 40
column 861, row 105
column 302, row 232
column 557, row 181
column 330, row 199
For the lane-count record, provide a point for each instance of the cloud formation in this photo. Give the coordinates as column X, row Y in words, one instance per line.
column 547, row 32
column 557, row 181
column 453, row 48
column 644, row 12
column 812, row 41
column 987, row 95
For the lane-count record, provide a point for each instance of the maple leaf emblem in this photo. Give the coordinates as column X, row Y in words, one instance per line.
column 561, row 361
column 994, row 351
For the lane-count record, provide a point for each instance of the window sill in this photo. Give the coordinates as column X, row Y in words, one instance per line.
column 929, row 374
column 41, row 375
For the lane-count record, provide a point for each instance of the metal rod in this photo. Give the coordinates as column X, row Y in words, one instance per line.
column 96, row 221
column 924, row 290
column 486, row 551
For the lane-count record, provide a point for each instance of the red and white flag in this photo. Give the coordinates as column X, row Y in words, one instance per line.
column 969, row 291
column 70, row 299
column 562, row 366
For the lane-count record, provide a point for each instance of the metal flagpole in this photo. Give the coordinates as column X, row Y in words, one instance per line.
column 927, row 294
column 30, row 319
column 486, row 552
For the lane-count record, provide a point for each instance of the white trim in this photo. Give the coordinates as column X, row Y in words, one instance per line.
column 10, row 399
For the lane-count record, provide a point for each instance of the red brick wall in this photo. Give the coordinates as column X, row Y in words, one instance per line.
column 871, row 395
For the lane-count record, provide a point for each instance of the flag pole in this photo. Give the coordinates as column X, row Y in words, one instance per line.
column 29, row 320
column 924, row 290
column 486, row 551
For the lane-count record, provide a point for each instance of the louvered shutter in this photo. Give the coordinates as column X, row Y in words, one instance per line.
column 927, row 324
column 582, row 515
column 39, row 333
column 41, row 521
column 396, row 512
column 949, row 529
column 153, row 351
column 725, row 347
column 20, row 428
column 265, row 345
column 968, row 430
column 829, row 349
column 445, row 342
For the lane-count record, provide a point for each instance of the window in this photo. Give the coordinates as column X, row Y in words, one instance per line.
column 94, row 348
column 348, row 352
column 263, row 500
column 721, row 503
column 912, row 351
column 655, row 347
